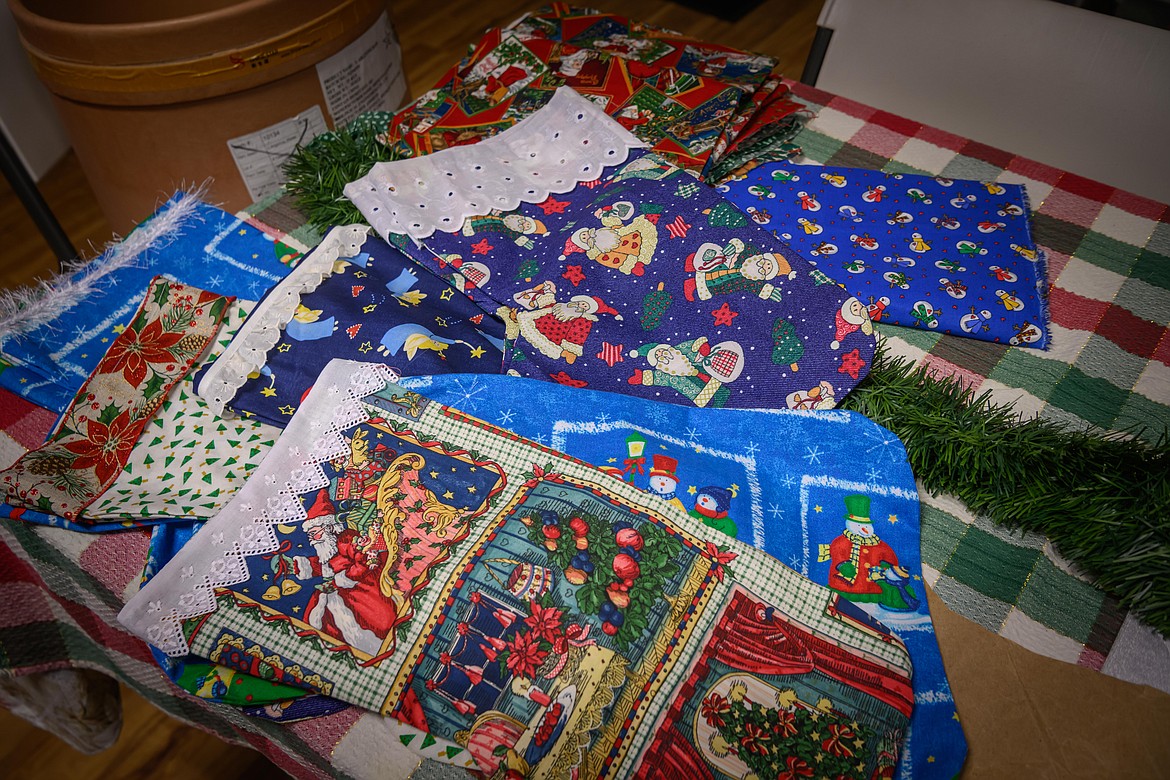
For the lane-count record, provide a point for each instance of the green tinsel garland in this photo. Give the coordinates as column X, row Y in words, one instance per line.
column 318, row 172
column 1102, row 499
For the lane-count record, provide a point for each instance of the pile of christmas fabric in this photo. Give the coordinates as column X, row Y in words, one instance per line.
column 707, row 108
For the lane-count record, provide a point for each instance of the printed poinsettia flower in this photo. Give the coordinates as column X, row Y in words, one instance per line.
column 713, row 708
column 545, row 621
column 795, row 768
column 839, row 735
column 785, row 724
column 754, row 739
column 525, row 655
column 721, row 557
column 134, row 351
column 105, row 448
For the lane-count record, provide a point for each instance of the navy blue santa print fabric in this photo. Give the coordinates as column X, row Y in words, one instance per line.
column 949, row 255
column 647, row 282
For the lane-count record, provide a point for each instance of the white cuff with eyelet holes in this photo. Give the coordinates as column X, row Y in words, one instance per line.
column 567, row 142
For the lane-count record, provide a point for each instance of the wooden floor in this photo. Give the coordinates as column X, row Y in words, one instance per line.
column 433, row 36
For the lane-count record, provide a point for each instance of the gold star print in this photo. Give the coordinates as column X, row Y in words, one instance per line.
column 104, row 340
column 930, row 759
column 955, row 715
column 441, row 321
column 268, row 392
column 471, row 488
column 820, row 757
column 243, row 232
column 893, row 518
column 818, row 509
column 296, row 608
column 435, row 474
column 286, row 409
column 692, row 490
column 284, row 347
column 477, row 352
column 365, row 347
column 379, row 434
column 118, row 329
column 369, row 307
column 264, row 577
column 255, row 257
column 360, row 274
column 446, row 294
column 472, row 468
column 612, row 460
column 24, row 381
column 859, row 743
column 448, row 495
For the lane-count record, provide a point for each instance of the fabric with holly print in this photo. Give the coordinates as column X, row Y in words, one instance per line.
column 94, row 439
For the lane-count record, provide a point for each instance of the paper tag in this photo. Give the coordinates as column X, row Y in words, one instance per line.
column 260, row 155
column 364, row 76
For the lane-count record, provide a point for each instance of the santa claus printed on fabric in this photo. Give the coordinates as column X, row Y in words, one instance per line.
column 853, row 317
column 734, row 268
column 694, row 368
column 628, row 248
column 348, row 605
column 558, row 329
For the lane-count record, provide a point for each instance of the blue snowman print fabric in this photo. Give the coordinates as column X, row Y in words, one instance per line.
column 947, row 255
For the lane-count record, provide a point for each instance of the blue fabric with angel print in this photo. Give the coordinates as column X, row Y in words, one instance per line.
column 947, row 255
column 378, row 305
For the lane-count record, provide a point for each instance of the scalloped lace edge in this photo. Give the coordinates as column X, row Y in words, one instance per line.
column 248, row 351
column 244, row 528
column 387, row 188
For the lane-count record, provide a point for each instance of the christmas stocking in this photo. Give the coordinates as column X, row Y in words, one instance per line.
column 614, row 270
column 946, row 255
column 353, row 297
column 523, row 606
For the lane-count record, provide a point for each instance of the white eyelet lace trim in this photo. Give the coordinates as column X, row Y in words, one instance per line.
column 215, row 558
column 567, row 142
column 248, row 351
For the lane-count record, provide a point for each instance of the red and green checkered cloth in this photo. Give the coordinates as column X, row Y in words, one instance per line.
column 1109, row 269
column 1109, row 261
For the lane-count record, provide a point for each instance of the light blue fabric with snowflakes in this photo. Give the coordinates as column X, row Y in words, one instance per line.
column 190, row 241
column 778, row 479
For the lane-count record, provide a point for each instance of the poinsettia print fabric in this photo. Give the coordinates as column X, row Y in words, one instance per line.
column 941, row 254
column 97, row 433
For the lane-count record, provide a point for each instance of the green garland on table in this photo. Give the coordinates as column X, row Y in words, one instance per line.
column 1102, row 498
column 318, row 172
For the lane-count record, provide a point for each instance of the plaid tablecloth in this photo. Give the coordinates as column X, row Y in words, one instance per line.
column 1109, row 269
column 1109, row 261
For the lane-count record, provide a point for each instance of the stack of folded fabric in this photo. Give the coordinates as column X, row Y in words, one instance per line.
column 545, row 465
